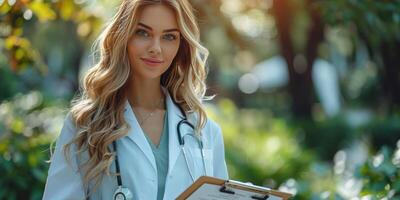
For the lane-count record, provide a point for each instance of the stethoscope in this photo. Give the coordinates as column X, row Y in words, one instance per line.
column 123, row 193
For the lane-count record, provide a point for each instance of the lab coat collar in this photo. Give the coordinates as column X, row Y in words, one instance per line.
column 136, row 133
column 174, row 117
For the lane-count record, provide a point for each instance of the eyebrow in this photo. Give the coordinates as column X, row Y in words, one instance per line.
column 167, row 30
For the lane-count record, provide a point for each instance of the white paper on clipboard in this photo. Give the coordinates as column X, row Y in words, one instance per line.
column 211, row 192
column 211, row 188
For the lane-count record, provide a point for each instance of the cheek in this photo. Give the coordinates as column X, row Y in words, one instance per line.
column 135, row 50
column 170, row 51
column 135, row 47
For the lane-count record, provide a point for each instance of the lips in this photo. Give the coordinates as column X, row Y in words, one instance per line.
column 151, row 62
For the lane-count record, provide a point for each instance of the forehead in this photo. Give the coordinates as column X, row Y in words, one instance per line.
column 159, row 17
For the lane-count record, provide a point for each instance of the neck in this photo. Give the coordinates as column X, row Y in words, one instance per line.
column 145, row 93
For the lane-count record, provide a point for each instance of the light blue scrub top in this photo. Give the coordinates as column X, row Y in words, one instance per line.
column 161, row 156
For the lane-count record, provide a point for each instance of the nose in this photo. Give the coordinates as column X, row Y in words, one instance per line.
column 155, row 47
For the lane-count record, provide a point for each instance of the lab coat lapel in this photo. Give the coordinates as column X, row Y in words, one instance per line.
column 174, row 117
column 137, row 136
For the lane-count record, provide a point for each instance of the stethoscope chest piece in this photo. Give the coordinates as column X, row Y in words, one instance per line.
column 122, row 193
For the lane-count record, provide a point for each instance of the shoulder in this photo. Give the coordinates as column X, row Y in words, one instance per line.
column 211, row 130
column 66, row 138
column 68, row 130
column 214, row 130
column 213, row 126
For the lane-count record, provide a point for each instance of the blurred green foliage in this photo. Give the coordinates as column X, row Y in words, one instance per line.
column 374, row 27
column 27, row 127
column 260, row 147
column 19, row 17
column 381, row 174
column 378, row 21
column 270, row 151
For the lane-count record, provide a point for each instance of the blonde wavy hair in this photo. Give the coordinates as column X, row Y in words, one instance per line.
column 98, row 112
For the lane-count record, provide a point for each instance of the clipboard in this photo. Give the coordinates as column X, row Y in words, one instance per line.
column 207, row 187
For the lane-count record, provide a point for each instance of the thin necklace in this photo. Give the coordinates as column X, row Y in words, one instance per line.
column 151, row 113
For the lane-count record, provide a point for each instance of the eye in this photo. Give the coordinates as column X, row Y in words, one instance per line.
column 141, row 32
column 170, row 37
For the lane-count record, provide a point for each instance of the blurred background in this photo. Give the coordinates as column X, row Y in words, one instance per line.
column 308, row 91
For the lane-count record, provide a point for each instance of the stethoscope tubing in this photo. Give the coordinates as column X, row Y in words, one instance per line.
column 122, row 190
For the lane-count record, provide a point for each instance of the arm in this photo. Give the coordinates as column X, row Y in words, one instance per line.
column 64, row 180
column 220, row 169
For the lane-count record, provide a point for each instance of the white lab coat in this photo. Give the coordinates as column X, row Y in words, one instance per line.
column 137, row 162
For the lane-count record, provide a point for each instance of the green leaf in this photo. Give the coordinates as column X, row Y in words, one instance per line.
column 4, row 8
column 39, row 174
column 42, row 10
column 32, row 160
column 396, row 185
column 67, row 9
column 17, row 126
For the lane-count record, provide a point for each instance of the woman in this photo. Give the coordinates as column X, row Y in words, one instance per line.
column 139, row 106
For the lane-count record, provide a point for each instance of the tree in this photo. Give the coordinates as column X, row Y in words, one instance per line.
column 375, row 24
column 21, row 19
column 299, row 63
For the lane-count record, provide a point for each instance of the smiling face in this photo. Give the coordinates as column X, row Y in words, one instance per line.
column 154, row 43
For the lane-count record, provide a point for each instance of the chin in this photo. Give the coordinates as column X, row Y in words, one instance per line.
column 147, row 74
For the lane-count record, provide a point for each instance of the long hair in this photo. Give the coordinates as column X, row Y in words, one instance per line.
column 98, row 112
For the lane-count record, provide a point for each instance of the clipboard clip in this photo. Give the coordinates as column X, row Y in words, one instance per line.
column 224, row 189
column 260, row 198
